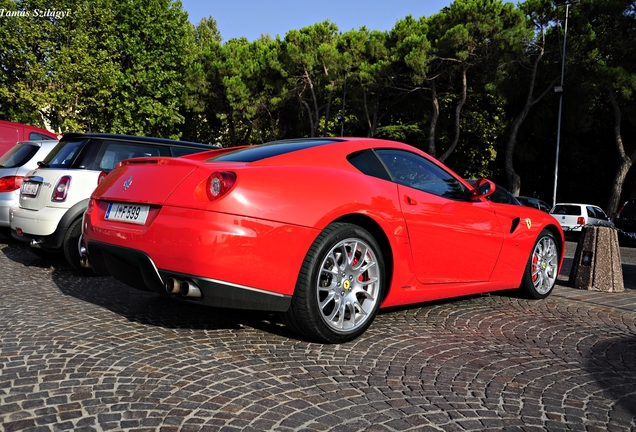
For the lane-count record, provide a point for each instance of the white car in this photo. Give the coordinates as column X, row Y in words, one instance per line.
column 14, row 164
column 572, row 216
column 54, row 197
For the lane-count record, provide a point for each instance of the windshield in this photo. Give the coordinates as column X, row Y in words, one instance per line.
column 18, row 155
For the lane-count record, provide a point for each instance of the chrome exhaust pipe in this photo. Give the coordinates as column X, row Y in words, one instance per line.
column 173, row 285
column 84, row 261
column 183, row 287
column 35, row 243
column 189, row 289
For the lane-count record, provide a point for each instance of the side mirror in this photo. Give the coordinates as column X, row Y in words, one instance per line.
column 481, row 189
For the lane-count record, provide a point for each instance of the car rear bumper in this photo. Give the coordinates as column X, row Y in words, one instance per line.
column 7, row 200
column 39, row 223
column 570, row 228
column 137, row 269
column 237, row 250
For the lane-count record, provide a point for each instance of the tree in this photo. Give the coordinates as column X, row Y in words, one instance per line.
column 367, row 60
column 312, row 67
column 467, row 33
column 528, row 56
column 153, row 35
column 106, row 65
column 608, row 37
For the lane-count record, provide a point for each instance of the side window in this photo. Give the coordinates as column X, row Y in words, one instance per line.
column 600, row 214
column 595, row 212
column 419, row 173
column 368, row 163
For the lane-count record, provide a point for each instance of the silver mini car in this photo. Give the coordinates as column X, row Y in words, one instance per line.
column 14, row 164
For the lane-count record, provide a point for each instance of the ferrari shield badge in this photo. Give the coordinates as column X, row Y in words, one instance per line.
column 528, row 223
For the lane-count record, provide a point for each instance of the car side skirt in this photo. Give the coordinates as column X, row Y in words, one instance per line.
column 137, row 269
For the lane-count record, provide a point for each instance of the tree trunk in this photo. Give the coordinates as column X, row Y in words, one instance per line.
column 434, row 118
column 327, row 113
column 625, row 163
column 458, row 110
column 316, row 112
column 313, row 126
column 514, row 181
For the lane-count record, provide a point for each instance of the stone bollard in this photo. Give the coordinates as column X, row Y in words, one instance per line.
column 597, row 261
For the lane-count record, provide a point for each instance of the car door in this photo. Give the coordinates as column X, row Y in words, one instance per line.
column 452, row 238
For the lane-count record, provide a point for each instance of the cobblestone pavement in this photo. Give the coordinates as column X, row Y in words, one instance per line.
column 81, row 353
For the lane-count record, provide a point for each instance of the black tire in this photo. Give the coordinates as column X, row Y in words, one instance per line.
column 71, row 248
column 336, row 307
column 542, row 269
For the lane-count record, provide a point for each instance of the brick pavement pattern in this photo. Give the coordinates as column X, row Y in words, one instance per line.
column 91, row 354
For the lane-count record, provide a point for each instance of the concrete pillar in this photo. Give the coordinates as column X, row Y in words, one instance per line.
column 597, row 261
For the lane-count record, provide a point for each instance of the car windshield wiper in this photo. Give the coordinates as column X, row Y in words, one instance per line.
column 43, row 164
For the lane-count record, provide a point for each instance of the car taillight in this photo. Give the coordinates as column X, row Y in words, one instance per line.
column 61, row 189
column 219, row 183
column 580, row 220
column 101, row 177
column 10, row 183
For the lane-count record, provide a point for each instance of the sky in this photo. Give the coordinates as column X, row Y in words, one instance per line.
column 253, row 18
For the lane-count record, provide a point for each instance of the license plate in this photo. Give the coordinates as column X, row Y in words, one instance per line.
column 30, row 189
column 131, row 213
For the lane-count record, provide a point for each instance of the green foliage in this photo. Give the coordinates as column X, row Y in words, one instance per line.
column 105, row 65
column 461, row 81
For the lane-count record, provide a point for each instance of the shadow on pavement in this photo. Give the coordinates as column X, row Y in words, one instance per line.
column 613, row 366
column 139, row 306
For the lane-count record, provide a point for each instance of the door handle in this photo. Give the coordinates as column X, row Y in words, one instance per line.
column 409, row 200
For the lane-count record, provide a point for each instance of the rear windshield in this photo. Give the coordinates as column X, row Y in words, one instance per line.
column 263, row 151
column 113, row 152
column 63, row 154
column 18, row 155
column 568, row 210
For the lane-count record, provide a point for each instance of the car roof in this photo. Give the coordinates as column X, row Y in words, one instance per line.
column 75, row 135
column 38, row 142
column 577, row 204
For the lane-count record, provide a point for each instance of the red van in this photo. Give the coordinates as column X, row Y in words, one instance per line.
column 11, row 133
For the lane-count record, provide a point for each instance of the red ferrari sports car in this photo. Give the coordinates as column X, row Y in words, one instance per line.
column 325, row 231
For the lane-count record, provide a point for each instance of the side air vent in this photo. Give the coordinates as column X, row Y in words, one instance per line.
column 515, row 224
